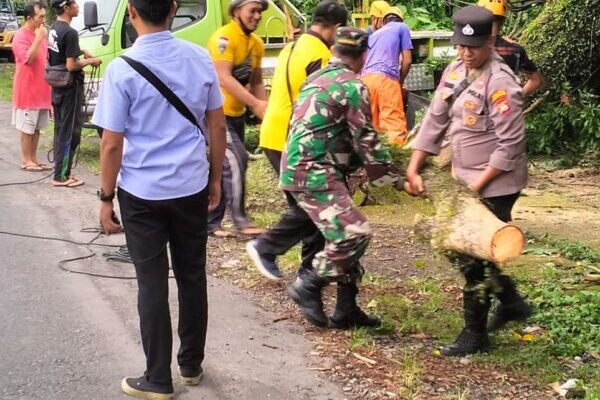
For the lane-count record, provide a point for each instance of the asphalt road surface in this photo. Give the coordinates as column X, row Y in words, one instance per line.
column 69, row 336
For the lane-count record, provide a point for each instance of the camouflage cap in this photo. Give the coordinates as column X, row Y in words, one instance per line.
column 354, row 37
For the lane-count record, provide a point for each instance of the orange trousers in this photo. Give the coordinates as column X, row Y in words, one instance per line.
column 387, row 107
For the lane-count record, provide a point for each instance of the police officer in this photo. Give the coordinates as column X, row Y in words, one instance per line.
column 331, row 136
column 513, row 54
column 478, row 105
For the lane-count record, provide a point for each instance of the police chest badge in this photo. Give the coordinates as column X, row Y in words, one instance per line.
column 222, row 43
column 468, row 30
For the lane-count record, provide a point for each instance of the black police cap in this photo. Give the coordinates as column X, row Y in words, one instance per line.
column 472, row 26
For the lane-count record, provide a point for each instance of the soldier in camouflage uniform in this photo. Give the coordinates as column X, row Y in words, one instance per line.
column 330, row 137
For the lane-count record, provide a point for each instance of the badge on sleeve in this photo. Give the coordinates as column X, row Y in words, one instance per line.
column 500, row 101
column 223, row 42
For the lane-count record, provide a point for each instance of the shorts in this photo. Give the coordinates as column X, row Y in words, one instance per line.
column 30, row 121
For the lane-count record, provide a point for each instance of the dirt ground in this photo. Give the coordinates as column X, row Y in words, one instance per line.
column 405, row 366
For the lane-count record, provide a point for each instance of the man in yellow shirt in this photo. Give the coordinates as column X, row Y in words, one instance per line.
column 237, row 54
column 297, row 60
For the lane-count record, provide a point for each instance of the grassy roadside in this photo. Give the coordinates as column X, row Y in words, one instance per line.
column 90, row 143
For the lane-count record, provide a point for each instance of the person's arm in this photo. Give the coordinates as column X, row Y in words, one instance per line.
column 40, row 35
column 505, row 108
column 234, row 88
column 257, row 88
column 533, row 84
column 111, row 154
column 72, row 52
column 375, row 157
column 534, row 77
column 216, row 130
column 405, row 65
column 111, row 113
column 414, row 181
column 406, row 47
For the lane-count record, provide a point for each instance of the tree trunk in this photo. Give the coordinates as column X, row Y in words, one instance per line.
column 465, row 225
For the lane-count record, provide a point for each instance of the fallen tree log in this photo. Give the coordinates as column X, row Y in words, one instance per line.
column 464, row 224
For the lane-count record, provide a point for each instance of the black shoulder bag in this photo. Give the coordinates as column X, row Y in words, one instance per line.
column 164, row 90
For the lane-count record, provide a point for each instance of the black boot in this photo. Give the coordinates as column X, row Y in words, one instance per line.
column 512, row 306
column 306, row 292
column 473, row 338
column 347, row 313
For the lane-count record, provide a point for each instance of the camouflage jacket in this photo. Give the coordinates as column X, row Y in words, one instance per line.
column 331, row 135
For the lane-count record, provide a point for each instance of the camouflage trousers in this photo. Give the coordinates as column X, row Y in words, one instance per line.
column 345, row 229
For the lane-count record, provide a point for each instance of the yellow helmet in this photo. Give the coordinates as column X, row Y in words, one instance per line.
column 393, row 10
column 497, row 7
column 378, row 8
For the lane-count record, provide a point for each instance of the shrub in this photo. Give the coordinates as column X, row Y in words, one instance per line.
column 559, row 127
column 564, row 40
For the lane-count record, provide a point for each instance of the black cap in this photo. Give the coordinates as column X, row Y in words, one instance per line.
column 59, row 4
column 331, row 12
column 472, row 26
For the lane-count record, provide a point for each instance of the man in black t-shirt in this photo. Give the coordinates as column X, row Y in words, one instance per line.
column 63, row 49
column 514, row 54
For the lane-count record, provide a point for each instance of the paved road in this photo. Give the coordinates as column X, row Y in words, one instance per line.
column 67, row 336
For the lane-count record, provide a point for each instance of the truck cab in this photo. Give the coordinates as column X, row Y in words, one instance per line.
column 8, row 27
column 104, row 29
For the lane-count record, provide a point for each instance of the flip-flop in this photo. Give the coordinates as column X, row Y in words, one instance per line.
column 221, row 233
column 45, row 167
column 75, row 183
column 66, row 183
column 32, row 168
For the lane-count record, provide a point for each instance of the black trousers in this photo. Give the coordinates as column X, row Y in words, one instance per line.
column 149, row 226
column 293, row 227
column 68, row 120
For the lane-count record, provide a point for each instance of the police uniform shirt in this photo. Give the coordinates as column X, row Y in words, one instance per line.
column 484, row 124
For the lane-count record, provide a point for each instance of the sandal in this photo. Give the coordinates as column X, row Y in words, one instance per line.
column 44, row 167
column 74, row 182
column 221, row 233
column 32, row 168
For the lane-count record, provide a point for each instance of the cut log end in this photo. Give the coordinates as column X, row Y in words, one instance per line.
column 507, row 243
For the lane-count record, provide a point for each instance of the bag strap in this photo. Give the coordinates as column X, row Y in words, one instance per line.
column 462, row 86
column 164, row 90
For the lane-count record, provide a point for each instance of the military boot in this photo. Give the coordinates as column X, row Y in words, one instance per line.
column 306, row 292
column 347, row 313
column 512, row 306
column 473, row 338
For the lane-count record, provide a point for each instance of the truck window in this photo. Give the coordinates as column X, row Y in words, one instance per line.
column 106, row 12
column 188, row 11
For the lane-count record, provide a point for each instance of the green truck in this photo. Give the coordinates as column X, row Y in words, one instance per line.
column 104, row 29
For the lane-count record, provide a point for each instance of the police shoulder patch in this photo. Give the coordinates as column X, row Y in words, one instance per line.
column 500, row 101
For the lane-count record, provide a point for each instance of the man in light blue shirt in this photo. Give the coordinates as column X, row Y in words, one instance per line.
column 166, row 186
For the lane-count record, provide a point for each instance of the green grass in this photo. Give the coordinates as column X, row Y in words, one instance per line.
column 6, row 81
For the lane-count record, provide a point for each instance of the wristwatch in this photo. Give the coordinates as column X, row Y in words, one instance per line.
column 105, row 197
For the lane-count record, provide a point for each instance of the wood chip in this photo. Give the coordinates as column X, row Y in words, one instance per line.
column 365, row 359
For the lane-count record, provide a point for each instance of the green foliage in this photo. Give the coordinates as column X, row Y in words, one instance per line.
column 424, row 15
column 558, row 128
column 6, row 81
column 570, row 317
column 574, row 251
column 251, row 138
column 564, row 40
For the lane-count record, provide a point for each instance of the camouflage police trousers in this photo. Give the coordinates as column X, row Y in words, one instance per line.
column 345, row 230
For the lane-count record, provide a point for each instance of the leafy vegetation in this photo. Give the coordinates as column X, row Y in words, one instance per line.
column 572, row 125
column 6, row 74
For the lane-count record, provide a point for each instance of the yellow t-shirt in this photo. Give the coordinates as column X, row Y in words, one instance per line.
column 229, row 43
column 309, row 54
